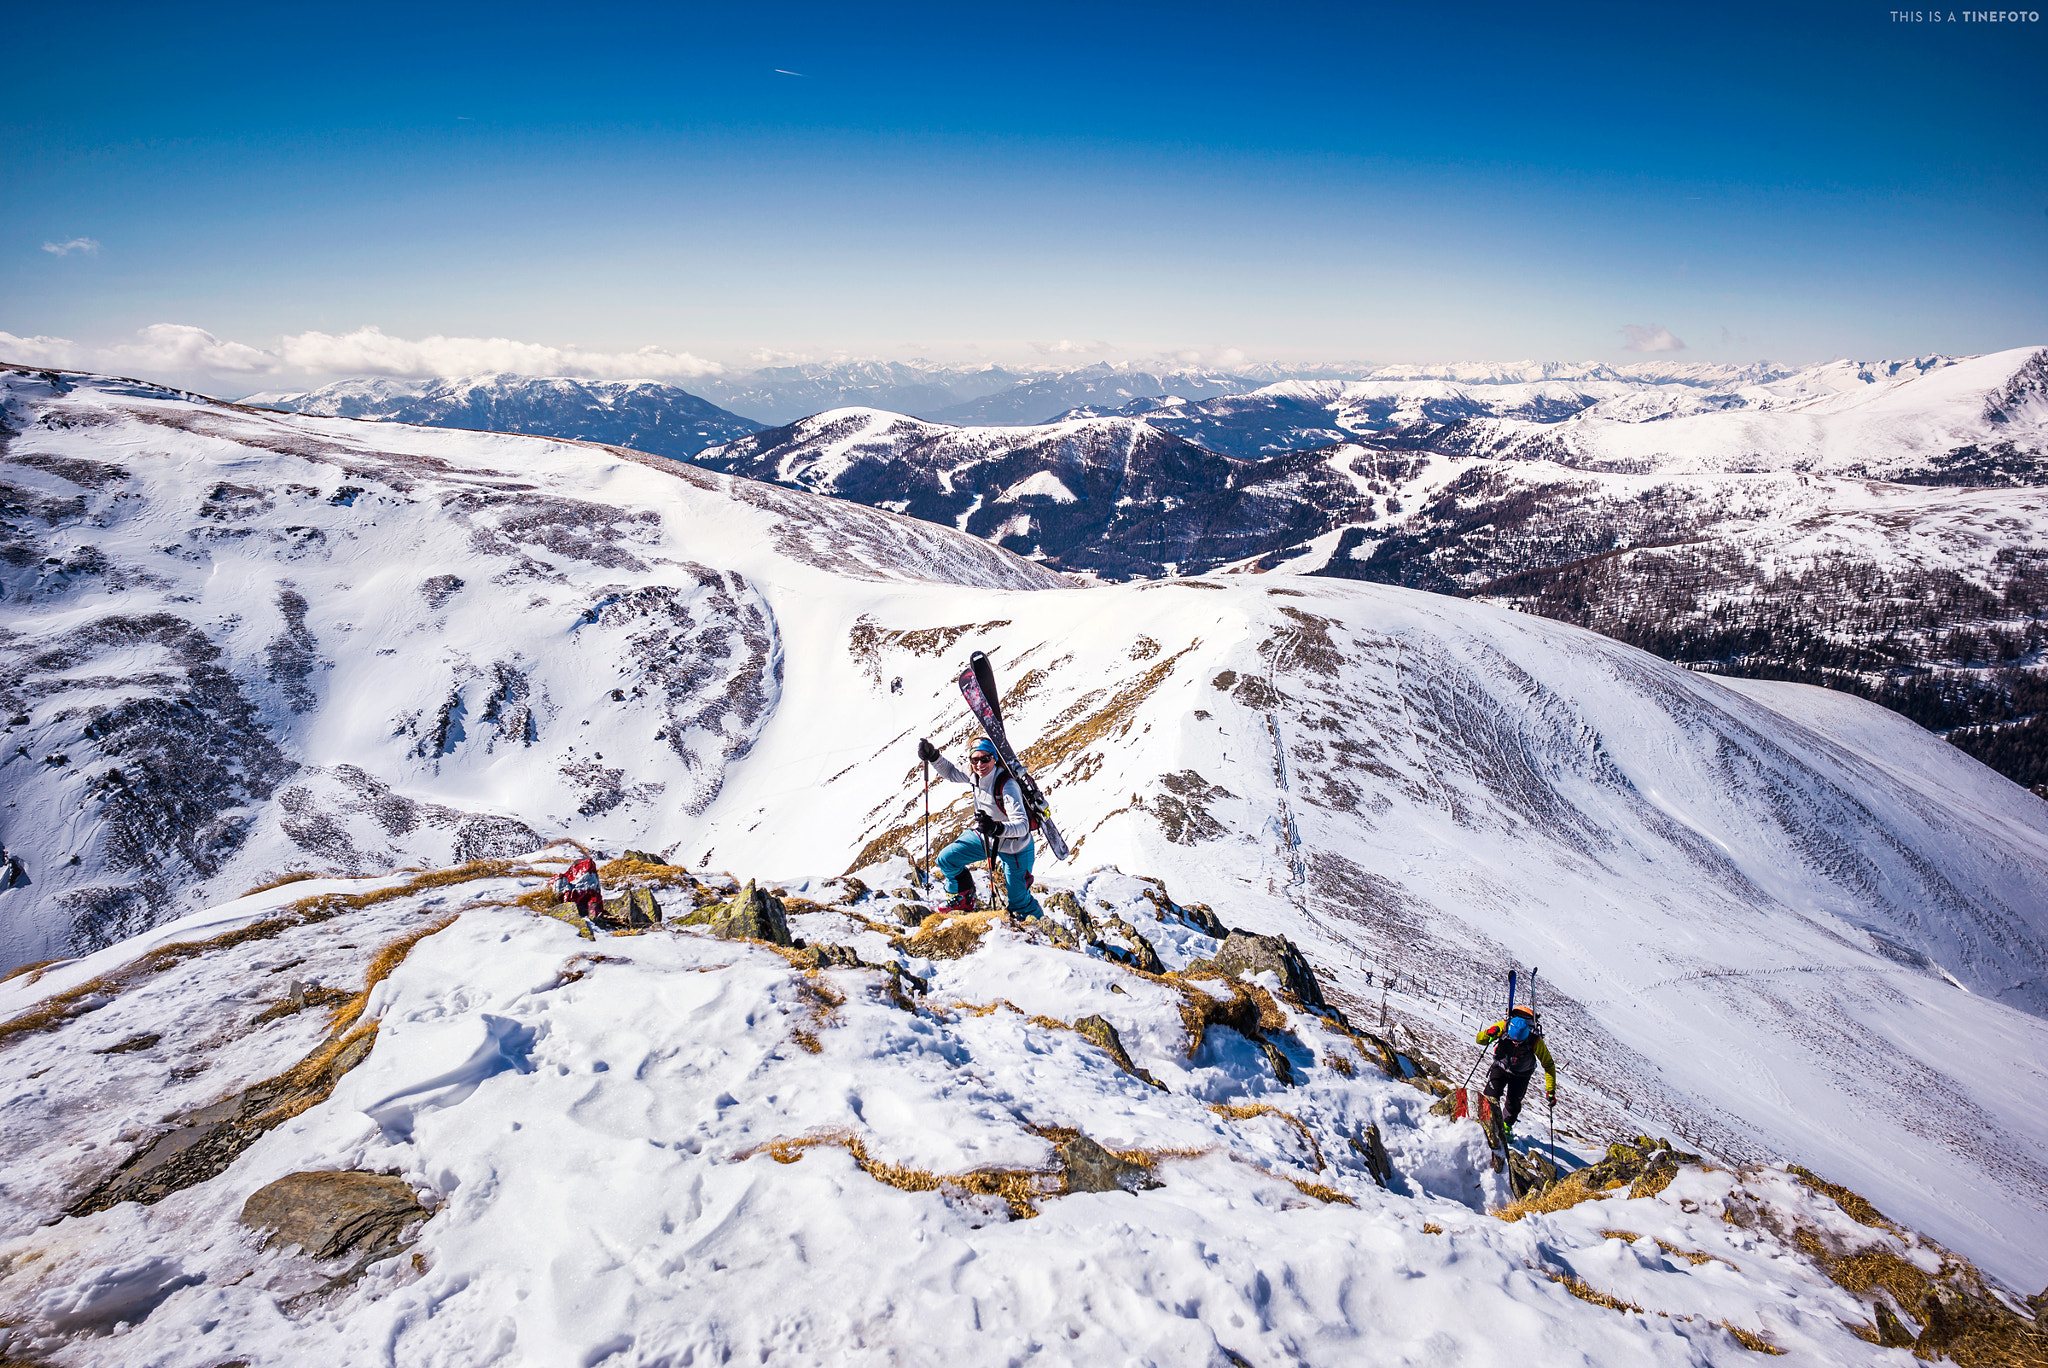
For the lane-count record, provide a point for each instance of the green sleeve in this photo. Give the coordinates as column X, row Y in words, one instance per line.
column 1543, row 1058
column 1487, row 1034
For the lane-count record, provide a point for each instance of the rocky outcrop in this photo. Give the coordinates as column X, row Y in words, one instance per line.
column 634, row 907
column 1244, row 954
column 202, row 1143
column 1098, row 1029
column 334, row 1215
column 827, row 956
column 750, row 914
column 1086, row 1166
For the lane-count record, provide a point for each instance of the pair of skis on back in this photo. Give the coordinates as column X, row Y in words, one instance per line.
column 978, row 686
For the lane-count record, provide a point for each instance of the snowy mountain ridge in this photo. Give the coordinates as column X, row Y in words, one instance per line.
column 647, row 415
column 1775, row 922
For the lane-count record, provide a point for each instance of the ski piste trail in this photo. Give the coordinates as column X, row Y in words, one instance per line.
column 1778, row 922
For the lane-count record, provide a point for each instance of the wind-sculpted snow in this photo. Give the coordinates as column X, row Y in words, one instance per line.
column 236, row 643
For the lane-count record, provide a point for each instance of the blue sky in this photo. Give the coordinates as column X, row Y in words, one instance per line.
column 1019, row 184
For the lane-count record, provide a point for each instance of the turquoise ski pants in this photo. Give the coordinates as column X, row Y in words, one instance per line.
column 969, row 851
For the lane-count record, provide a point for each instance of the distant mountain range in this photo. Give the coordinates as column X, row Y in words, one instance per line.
column 643, row 414
column 1113, row 497
column 1876, row 526
column 967, row 395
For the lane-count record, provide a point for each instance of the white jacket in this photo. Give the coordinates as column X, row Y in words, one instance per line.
column 1010, row 811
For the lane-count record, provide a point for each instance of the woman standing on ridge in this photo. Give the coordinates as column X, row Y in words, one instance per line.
column 999, row 820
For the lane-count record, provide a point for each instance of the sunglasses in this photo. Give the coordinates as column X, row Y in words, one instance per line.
column 981, row 759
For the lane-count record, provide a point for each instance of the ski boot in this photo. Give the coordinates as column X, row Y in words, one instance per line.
column 963, row 901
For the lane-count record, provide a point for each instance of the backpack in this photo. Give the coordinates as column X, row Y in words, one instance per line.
column 1029, row 812
column 580, row 877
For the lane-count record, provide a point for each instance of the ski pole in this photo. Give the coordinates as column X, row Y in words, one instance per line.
column 927, row 827
column 995, row 877
column 1552, row 1100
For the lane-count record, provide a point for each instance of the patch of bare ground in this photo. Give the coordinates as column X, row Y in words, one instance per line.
column 205, row 1142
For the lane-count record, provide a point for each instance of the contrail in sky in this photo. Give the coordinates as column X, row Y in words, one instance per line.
column 780, row 72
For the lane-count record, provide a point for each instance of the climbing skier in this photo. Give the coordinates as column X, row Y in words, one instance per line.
column 1520, row 1049
column 999, row 817
column 579, row 884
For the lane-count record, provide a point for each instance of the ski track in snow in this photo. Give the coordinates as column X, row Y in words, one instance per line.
column 1781, row 923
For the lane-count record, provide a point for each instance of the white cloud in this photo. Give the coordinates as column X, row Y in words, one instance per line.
column 1641, row 339
column 182, row 348
column 371, row 351
column 768, row 356
column 61, row 352
column 1068, row 347
column 179, row 349
column 160, row 348
column 77, row 244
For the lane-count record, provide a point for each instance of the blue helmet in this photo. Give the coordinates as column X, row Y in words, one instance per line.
column 983, row 747
column 1520, row 1024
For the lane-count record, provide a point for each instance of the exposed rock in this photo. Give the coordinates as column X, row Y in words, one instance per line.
column 132, row 1043
column 1373, row 1149
column 1059, row 935
column 749, row 914
column 333, row 1215
column 642, row 857
column 634, row 907
column 1646, row 1164
column 1244, row 954
column 203, row 1143
column 911, row 914
column 1068, row 905
column 1283, row 1067
column 826, row 956
column 1087, row 1167
column 1139, row 955
column 1098, row 1029
column 1891, row 1332
column 1197, row 915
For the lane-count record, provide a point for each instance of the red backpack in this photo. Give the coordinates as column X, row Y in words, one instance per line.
column 580, row 877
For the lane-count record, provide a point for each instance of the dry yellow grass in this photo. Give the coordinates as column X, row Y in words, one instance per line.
column 35, row 968
column 1750, row 1339
column 624, row 873
column 296, row 876
column 951, row 937
column 1567, row 1191
column 1244, row 1111
column 1019, row 1189
column 1432, row 1228
column 1201, row 1009
column 387, row 958
column 307, row 911
column 1854, row 1206
column 1121, row 710
column 1321, row 1192
column 1586, row 1292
